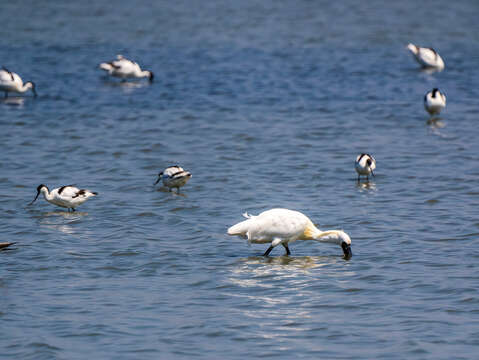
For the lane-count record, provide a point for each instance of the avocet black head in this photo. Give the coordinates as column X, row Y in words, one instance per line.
column 39, row 190
column 34, row 91
column 160, row 175
column 151, row 76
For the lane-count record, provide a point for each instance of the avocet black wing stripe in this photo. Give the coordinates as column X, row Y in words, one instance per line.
column 80, row 193
column 8, row 71
column 179, row 174
column 63, row 188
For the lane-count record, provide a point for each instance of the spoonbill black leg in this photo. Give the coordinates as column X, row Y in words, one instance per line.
column 287, row 249
column 266, row 253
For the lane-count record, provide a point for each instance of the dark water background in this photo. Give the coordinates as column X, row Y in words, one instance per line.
column 267, row 103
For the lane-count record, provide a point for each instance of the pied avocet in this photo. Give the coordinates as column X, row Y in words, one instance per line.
column 174, row 177
column 283, row 226
column 125, row 69
column 426, row 57
column 434, row 101
column 365, row 164
column 12, row 82
column 67, row 196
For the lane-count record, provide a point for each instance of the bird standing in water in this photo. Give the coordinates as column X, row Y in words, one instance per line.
column 12, row 82
column 125, row 69
column 284, row 226
column 364, row 165
column 174, row 177
column 66, row 196
column 434, row 101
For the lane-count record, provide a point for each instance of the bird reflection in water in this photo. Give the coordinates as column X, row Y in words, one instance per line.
column 48, row 220
column 366, row 186
column 299, row 262
column 435, row 125
column 14, row 101
column 126, row 86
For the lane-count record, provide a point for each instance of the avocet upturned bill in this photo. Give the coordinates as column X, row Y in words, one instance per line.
column 365, row 164
column 12, row 82
column 434, row 101
column 125, row 69
column 174, row 177
column 283, row 226
column 67, row 196
column 426, row 57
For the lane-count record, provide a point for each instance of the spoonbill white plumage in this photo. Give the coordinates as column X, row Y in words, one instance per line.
column 125, row 69
column 174, row 177
column 434, row 101
column 12, row 82
column 67, row 196
column 283, row 226
column 364, row 165
column 426, row 57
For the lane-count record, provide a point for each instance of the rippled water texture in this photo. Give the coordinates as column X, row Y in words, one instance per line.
column 267, row 103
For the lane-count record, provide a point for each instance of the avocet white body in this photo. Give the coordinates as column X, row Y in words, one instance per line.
column 283, row 226
column 12, row 82
column 365, row 165
column 426, row 57
column 125, row 69
column 66, row 196
column 174, row 177
column 434, row 101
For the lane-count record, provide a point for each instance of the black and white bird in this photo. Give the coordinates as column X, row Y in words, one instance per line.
column 365, row 164
column 125, row 69
column 284, row 226
column 426, row 57
column 174, row 177
column 67, row 196
column 12, row 82
column 434, row 101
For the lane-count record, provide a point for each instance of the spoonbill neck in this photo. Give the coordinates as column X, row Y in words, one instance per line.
column 331, row 236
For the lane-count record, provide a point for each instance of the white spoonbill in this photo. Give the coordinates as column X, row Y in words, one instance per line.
column 283, row 226
column 174, row 177
column 11, row 82
column 434, row 101
column 67, row 196
column 125, row 69
column 365, row 164
column 426, row 57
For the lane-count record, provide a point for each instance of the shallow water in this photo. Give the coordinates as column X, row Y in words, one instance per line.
column 267, row 104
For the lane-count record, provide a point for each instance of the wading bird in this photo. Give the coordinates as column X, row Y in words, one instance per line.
column 66, row 196
column 365, row 164
column 125, row 69
column 173, row 177
column 434, row 101
column 426, row 57
column 283, row 226
column 11, row 82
